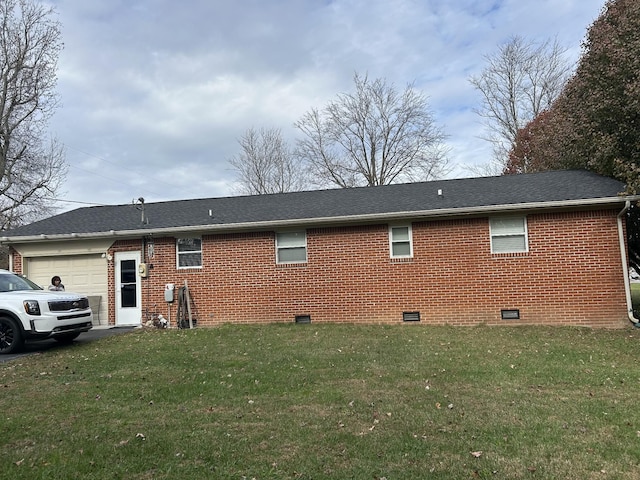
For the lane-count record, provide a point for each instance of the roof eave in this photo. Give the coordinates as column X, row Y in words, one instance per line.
column 341, row 220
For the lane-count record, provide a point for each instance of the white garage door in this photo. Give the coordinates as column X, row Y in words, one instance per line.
column 86, row 274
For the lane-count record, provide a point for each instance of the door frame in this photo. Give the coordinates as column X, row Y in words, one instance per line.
column 129, row 316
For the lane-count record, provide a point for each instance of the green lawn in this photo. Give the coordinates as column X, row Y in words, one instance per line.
column 327, row 401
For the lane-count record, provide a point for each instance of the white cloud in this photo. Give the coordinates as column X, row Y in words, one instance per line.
column 155, row 93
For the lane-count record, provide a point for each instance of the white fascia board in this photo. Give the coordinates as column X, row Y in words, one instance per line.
column 347, row 219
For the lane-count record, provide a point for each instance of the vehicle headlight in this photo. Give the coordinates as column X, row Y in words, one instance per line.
column 32, row 307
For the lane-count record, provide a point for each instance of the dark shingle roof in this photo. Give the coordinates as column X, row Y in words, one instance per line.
column 457, row 195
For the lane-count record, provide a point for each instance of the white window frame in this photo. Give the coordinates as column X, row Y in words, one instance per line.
column 291, row 246
column 393, row 241
column 496, row 233
column 179, row 253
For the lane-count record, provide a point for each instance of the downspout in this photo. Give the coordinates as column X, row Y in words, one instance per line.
column 625, row 269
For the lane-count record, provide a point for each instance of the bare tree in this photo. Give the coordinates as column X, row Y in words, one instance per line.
column 519, row 82
column 31, row 164
column 266, row 164
column 374, row 136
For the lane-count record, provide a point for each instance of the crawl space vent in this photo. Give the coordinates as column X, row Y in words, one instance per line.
column 303, row 318
column 510, row 314
column 410, row 316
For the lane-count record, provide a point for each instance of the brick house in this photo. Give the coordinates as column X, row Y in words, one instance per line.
column 543, row 248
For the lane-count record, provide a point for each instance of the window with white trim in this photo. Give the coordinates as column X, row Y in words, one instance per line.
column 400, row 241
column 508, row 234
column 189, row 252
column 291, row 247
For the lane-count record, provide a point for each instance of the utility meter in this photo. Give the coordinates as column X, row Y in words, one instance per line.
column 142, row 270
column 169, row 288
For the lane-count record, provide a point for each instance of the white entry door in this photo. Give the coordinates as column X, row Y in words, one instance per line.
column 128, row 291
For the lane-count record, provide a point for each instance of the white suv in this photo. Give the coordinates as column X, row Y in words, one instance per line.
column 27, row 312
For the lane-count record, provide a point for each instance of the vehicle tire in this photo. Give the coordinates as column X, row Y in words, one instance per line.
column 67, row 337
column 11, row 339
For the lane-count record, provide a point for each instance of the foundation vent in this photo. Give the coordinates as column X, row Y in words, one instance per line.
column 303, row 319
column 410, row 316
column 513, row 314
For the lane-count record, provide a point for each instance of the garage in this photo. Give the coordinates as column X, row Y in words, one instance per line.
column 86, row 274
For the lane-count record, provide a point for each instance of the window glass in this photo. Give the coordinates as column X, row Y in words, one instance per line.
column 128, row 271
column 10, row 282
column 401, row 241
column 292, row 255
column 189, row 252
column 507, row 226
column 291, row 239
column 401, row 250
column 509, row 244
column 128, row 295
column 508, row 234
column 291, row 247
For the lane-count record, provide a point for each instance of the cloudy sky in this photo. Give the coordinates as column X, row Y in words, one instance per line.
column 155, row 93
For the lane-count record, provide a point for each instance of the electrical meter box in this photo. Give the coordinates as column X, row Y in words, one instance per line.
column 143, row 270
column 169, row 289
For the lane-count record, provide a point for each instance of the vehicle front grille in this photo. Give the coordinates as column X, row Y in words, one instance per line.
column 69, row 305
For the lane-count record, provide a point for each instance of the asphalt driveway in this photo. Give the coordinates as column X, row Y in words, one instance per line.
column 95, row 333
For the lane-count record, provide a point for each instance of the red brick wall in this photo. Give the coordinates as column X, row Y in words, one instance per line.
column 17, row 260
column 572, row 274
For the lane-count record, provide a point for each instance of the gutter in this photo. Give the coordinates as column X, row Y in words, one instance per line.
column 325, row 221
column 625, row 268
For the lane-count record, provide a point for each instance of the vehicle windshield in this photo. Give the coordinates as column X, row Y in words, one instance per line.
column 10, row 282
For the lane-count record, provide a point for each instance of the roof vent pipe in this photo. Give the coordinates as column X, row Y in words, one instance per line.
column 143, row 218
column 439, row 192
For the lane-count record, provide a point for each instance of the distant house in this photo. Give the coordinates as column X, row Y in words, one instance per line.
column 544, row 248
